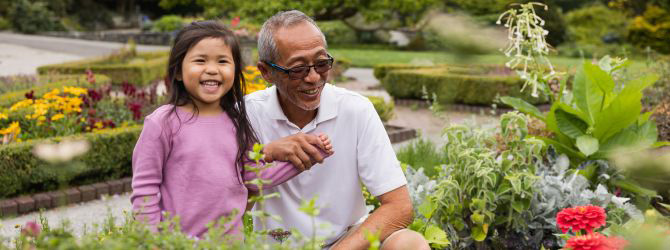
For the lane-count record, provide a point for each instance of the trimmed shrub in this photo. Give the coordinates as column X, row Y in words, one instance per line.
column 4, row 24
column 140, row 70
column 168, row 23
column 383, row 108
column 340, row 65
column 381, row 70
column 454, row 87
column 109, row 158
column 9, row 98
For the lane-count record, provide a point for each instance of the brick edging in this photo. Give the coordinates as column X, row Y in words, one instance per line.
column 30, row 203
column 400, row 134
column 462, row 107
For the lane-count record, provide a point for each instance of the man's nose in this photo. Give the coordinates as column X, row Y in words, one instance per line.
column 312, row 76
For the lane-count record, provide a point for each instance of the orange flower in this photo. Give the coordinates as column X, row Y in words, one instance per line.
column 581, row 218
column 595, row 241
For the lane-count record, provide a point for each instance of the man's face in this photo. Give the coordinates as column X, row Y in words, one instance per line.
column 299, row 45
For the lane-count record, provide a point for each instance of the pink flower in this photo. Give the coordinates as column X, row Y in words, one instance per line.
column 31, row 229
column 581, row 218
column 595, row 241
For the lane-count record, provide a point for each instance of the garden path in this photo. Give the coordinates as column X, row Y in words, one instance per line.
column 22, row 54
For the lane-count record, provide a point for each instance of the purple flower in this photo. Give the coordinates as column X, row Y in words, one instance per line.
column 31, row 229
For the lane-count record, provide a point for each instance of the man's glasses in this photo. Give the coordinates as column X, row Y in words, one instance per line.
column 301, row 72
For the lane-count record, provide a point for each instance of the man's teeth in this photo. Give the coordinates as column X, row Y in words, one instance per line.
column 313, row 91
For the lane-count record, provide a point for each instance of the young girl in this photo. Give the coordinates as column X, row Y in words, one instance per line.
column 189, row 160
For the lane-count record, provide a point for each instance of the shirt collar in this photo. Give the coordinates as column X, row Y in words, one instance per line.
column 327, row 109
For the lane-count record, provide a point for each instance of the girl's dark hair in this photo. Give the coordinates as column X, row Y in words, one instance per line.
column 233, row 101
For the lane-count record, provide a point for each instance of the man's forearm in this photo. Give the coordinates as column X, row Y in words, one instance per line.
column 386, row 219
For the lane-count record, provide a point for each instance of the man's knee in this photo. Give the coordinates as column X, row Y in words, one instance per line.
column 405, row 239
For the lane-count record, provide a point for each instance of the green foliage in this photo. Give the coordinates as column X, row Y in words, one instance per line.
column 588, row 26
column 384, row 109
column 455, row 85
column 5, row 24
column 381, row 70
column 23, row 173
column 599, row 110
column 143, row 69
column 337, row 33
column 168, row 23
column 11, row 97
column 32, row 17
column 486, row 185
column 651, row 29
column 423, row 154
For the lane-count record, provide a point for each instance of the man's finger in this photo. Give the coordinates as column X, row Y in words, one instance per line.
column 313, row 152
column 306, row 161
column 295, row 160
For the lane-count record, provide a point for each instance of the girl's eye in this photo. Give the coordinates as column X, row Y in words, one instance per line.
column 199, row 60
column 223, row 61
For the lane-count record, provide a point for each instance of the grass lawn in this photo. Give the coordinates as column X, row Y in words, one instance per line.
column 368, row 58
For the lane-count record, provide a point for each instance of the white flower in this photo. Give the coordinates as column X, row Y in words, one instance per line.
column 64, row 151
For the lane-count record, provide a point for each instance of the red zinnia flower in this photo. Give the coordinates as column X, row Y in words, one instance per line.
column 31, row 229
column 581, row 217
column 595, row 241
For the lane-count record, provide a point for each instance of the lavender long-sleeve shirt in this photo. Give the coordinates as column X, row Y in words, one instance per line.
column 190, row 171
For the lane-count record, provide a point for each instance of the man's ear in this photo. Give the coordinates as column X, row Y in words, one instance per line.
column 265, row 71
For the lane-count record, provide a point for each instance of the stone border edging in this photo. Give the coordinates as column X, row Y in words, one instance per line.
column 30, row 203
column 400, row 134
column 462, row 107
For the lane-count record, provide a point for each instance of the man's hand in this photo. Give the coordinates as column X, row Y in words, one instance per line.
column 300, row 149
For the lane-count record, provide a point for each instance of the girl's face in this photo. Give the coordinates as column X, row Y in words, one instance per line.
column 208, row 72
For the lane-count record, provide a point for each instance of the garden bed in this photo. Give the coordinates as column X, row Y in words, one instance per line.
column 140, row 69
column 474, row 85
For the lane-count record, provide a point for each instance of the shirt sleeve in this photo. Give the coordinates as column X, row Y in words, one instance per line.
column 148, row 161
column 378, row 167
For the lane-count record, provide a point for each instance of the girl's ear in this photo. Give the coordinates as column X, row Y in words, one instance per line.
column 178, row 77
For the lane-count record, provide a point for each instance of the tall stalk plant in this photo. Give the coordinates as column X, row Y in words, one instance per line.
column 600, row 114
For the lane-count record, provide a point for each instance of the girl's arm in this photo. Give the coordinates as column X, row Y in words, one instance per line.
column 281, row 171
column 148, row 160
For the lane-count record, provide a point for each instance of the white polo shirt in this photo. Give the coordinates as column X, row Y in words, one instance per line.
column 363, row 153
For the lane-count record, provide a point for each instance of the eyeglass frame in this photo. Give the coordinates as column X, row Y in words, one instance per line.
column 286, row 71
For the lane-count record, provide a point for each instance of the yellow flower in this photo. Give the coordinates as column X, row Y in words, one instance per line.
column 99, row 125
column 82, row 119
column 57, row 117
column 13, row 128
column 3, row 116
column 42, row 118
column 75, row 91
column 52, row 94
column 21, row 104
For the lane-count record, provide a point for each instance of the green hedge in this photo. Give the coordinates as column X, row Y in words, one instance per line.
column 109, row 158
column 383, row 108
column 146, row 67
column 451, row 87
column 381, row 70
column 9, row 98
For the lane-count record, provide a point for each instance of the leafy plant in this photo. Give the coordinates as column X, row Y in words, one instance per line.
column 168, row 23
column 422, row 155
column 482, row 191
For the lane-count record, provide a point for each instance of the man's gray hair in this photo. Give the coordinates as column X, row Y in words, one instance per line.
column 267, row 47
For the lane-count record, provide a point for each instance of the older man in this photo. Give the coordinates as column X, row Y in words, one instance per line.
column 293, row 56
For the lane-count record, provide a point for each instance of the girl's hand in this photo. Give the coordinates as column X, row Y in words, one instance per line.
column 326, row 143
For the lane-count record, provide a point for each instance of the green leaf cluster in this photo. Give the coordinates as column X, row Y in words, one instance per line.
column 599, row 116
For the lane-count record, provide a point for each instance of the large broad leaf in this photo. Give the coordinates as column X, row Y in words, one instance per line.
column 437, row 236
column 621, row 113
column 631, row 186
column 642, row 83
column 587, row 95
column 523, row 106
column 427, row 208
column 587, row 144
column 570, row 124
column 599, row 77
column 563, row 148
column 635, row 137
